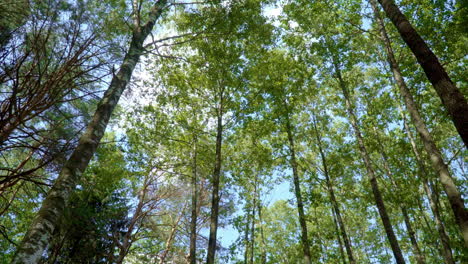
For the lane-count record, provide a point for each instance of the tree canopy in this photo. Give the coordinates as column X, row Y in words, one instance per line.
column 236, row 131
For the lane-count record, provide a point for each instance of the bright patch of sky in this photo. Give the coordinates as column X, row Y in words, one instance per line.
column 273, row 13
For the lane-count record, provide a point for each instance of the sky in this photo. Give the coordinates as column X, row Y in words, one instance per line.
column 228, row 235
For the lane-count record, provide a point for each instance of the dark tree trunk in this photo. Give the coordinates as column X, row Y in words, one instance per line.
column 215, row 183
column 331, row 191
column 456, row 201
column 420, row 259
column 45, row 222
column 297, row 192
column 451, row 97
column 338, row 236
column 263, row 258
column 370, row 170
column 193, row 220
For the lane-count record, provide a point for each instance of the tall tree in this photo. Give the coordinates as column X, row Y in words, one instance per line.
column 282, row 85
column 216, row 177
column 45, row 222
column 276, row 118
column 429, row 191
column 336, row 207
column 456, row 201
column 397, row 253
column 193, row 220
column 452, row 98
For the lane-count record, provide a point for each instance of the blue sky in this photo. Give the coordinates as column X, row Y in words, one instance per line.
column 280, row 192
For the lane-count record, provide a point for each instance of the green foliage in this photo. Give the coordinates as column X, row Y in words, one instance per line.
column 96, row 211
column 264, row 77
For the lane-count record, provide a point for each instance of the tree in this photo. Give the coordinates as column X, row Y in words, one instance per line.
column 14, row 15
column 452, row 98
column 281, row 86
column 38, row 235
column 458, row 206
column 253, row 132
column 336, row 208
column 370, row 171
column 96, row 210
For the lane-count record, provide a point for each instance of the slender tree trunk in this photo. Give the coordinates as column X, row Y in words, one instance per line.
column 443, row 237
column 215, row 195
column 252, row 227
column 370, row 170
column 331, row 192
column 456, row 201
column 45, row 222
column 338, row 236
column 297, row 191
column 451, row 97
column 193, row 220
column 263, row 258
column 420, row 259
column 246, row 238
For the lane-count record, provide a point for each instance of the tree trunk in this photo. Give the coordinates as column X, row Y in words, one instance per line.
column 420, row 259
column 451, row 97
column 338, row 236
column 215, row 195
column 443, row 237
column 252, row 227
column 193, row 220
column 331, row 192
column 456, row 201
column 370, row 170
column 297, row 191
column 263, row 258
column 45, row 222
column 246, row 237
